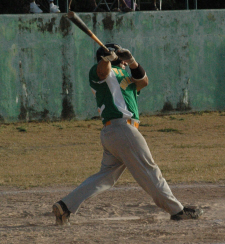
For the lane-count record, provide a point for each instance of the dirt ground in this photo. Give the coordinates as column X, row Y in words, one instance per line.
column 124, row 214
column 188, row 148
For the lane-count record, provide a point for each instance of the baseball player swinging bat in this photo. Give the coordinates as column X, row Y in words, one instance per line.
column 78, row 22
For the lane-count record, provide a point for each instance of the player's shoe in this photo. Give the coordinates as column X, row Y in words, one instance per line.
column 116, row 10
column 61, row 213
column 127, row 9
column 34, row 9
column 54, row 8
column 187, row 213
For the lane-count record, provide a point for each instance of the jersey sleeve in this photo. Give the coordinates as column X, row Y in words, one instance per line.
column 93, row 77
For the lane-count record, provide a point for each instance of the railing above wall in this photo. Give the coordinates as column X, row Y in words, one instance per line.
column 195, row 4
column 186, row 2
column 161, row 4
column 67, row 4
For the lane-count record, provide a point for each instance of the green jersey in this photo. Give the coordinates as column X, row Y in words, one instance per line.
column 116, row 96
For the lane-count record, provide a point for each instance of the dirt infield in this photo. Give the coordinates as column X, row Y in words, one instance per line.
column 42, row 162
column 120, row 215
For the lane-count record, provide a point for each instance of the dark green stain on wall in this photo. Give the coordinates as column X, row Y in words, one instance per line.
column 108, row 22
column 67, row 88
column 67, row 92
column 47, row 26
column 65, row 26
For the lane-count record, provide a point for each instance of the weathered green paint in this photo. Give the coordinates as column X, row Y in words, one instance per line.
column 45, row 60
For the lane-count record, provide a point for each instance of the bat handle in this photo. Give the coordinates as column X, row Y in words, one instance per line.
column 106, row 49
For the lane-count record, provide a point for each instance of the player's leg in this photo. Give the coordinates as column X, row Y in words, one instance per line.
column 125, row 7
column 129, row 145
column 155, row 5
column 111, row 170
column 69, row 5
column 109, row 173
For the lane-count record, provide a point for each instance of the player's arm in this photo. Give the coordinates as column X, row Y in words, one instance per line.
column 104, row 65
column 139, row 76
column 103, row 69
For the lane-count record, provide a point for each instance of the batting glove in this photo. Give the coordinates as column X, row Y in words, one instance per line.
column 125, row 55
column 111, row 56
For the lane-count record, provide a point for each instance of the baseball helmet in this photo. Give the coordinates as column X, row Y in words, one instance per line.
column 101, row 52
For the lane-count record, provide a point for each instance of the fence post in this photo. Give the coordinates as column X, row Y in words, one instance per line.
column 67, row 6
column 187, row 4
column 196, row 7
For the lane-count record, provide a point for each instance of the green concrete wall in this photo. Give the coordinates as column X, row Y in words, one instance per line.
column 45, row 60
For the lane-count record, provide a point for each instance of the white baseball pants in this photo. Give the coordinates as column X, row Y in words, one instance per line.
column 125, row 147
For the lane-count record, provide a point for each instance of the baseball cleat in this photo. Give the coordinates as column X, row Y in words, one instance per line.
column 187, row 213
column 54, row 8
column 127, row 9
column 34, row 9
column 62, row 215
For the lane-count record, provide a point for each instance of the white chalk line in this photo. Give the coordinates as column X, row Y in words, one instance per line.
column 120, row 188
column 118, row 218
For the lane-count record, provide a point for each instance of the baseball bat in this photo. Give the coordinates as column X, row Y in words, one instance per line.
column 79, row 22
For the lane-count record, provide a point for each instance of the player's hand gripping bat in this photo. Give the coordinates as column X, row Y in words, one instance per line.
column 78, row 22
